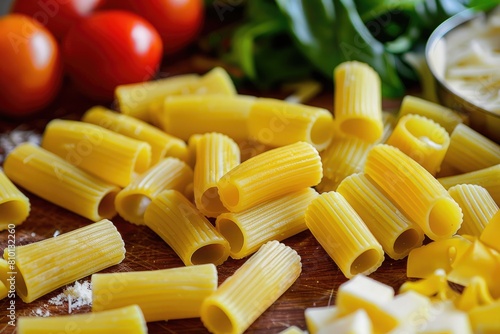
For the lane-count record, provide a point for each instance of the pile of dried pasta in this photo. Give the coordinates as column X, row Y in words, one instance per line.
column 217, row 174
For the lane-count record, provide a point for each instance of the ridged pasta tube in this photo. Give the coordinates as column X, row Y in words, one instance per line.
column 395, row 232
column 253, row 287
column 162, row 144
column 170, row 173
column 46, row 265
column 424, row 140
column 216, row 154
column 174, row 293
column 269, row 175
column 412, row 188
column 184, row 228
column 358, row 101
column 14, row 205
column 111, row 156
column 275, row 122
column 126, row 320
column 276, row 219
column 490, row 234
column 477, row 206
column 343, row 235
column 57, row 181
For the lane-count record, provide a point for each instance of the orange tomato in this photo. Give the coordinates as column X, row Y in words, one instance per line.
column 30, row 66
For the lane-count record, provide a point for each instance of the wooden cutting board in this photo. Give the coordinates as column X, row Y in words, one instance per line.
column 317, row 285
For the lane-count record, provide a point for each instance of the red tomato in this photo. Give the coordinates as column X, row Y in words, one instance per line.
column 56, row 15
column 108, row 49
column 30, row 66
column 177, row 21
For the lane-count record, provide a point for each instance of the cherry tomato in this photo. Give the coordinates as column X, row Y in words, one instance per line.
column 56, row 15
column 108, row 49
column 30, row 66
column 177, row 21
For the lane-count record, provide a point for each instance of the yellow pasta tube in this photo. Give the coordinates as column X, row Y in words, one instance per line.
column 136, row 99
column 253, row 287
column 270, row 174
column 490, row 234
column 14, row 205
column 4, row 291
column 446, row 117
column 358, row 101
column 215, row 81
column 343, row 157
column 276, row 219
column 412, row 188
column 488, row 178
column 395, row 232
column 477, row 206
column 162, row 144
column 424, row 140
column 484, row 319
column 59, row 182
column 184, row 116
column 184, row 228
column 276, row 122
column 175, row 293
column 170, row 173
column 46, row 265
column 470, row 151
column 343, row 235
column 111, row 156
column 216, row 154
column 126, row 320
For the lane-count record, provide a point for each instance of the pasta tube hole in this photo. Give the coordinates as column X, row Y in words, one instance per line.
column 13, row 211
column 418, row 127
column 445, row 217
column 321, row 131
column 135, row 205
column 143, row 159
column 211, row 200
column 106, row 208
column 213, row 253
column 232, row 233
column 218, row 321
column 365, row 261
column 230, row 195
column 364, row 128
column 406, row 241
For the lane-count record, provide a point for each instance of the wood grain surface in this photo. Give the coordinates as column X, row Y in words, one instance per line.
column 317, row 285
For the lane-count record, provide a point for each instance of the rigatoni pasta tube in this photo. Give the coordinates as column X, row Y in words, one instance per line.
column 184, row 228
column 170, row 173
column 424, row 140
column 14, row 205
column 277, row 123
column 477, row 206
column 343, row 235
column 184, row 116
column 162, row 144
column 216, row 154
column 358, row 101
column 57, row 181
column 111, row 156
column 253, row 287
column 46, row 265
column 490, row 234
column 276, row 219
column 269, row 175
column 412, row 188
column 126, row 320
column 395, row 232
column 175, row 293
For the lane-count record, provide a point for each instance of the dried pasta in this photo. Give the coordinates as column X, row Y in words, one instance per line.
column 343, row 235
column 412, row 188
column 170, row 173
column 269, row 175
column 395, row 232
column 216, row 154
column 253, row 287
column 276, row 122
column 184, row 228
column 276, row 219
column 111, row 156
column 46, row 265
column 57, row 181
column 166, row 294
column 162, row 144
column 490, row 234
column 14, row 205
column 358, row 104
